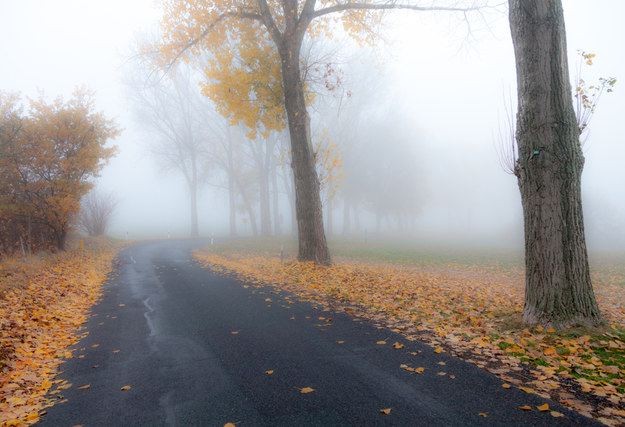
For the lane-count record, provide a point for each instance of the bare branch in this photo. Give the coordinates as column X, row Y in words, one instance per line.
column 391, row 6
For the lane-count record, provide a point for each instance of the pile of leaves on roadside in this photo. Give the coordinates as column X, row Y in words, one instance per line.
column 472, row 312
column 43, row 304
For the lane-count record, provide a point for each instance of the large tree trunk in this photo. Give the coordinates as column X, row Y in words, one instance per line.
column 276, row 197
column 265, row 211
column 558, row 290
column 231, row 189
column 311, row 235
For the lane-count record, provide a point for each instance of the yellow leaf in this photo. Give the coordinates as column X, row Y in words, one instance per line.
column 269, row 372
column 33, row 417
column 483, row 414
column 229, row 425
column 543, row 408
column 84, row 387
column 526, row 390
column 306, row 390
column 550, row 331
column 398, row 345
column 526, row 408
column 381, row 342
column 505, row 385
column 234, row 332
column 556, row 414
column 385, row 411
column 341, row 342
column 438, row 350
column 124, row 388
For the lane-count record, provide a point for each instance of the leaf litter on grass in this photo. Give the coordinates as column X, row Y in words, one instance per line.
column 471, row 311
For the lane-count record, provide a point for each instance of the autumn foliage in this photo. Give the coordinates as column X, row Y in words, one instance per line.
column 39, row 320
column 48, row 158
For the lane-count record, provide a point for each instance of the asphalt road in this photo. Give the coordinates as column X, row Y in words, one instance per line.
column 195, row 349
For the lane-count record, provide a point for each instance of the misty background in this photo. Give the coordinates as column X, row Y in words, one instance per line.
column 420, row 121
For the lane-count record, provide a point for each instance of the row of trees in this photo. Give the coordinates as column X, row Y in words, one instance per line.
column 268, row 37
column 357, row 174
column 49, row 156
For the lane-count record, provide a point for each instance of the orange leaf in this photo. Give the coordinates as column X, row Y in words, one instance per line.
column 438, row 350
column 543, row 408
column 385, row 411
column 398, row 345
column 526, row 408
column 306, row 390
column 124, row 388
column 84, row 387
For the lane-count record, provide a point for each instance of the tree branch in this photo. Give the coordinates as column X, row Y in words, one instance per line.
column 390, row 6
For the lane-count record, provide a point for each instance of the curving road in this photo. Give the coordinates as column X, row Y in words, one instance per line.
column 198, row 349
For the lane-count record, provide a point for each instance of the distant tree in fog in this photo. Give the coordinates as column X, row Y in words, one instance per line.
column 173, row 110
column 96, row 211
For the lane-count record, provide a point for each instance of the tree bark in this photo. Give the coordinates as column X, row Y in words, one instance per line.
column 277, row 229
column 558, row 289
column 311, row 235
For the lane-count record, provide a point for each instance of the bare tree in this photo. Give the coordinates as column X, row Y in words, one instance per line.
column 96, row 211
column 172, row 108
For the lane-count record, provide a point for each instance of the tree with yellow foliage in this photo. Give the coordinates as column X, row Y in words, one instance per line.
column 49, row 165
column 254, row 56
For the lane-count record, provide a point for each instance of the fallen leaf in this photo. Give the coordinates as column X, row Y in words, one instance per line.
column 526, row 408
column 556, row 414
column 84, row 387
column 381, row 342
column 526, row 390
column 229, row 425
column 234, row 332
column 269, row 372
column 124, row 388
column 506, row 385
column 385, row 411
column 340, row 342
column 398, row 345
column 438, row 350
column 483, row 414
column 306, row 390
column 543, row 408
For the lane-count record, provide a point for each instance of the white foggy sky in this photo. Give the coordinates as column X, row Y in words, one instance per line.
column 452, row 88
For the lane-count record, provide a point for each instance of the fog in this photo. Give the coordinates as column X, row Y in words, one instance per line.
column 422, row 122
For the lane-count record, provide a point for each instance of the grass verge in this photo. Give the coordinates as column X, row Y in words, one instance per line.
column 44, row 300
column 465, row 302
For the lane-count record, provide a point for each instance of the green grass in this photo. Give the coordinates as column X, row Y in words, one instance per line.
column 394, row 251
